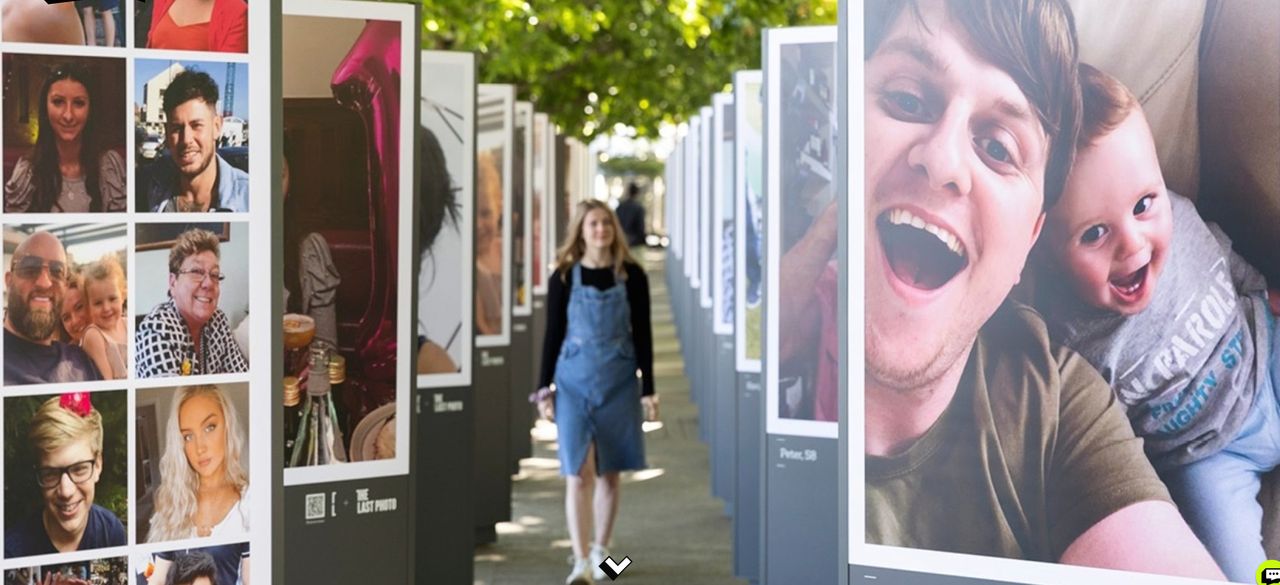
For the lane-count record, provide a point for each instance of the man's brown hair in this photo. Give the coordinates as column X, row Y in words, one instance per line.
column 1034, row 41
column 1106, row 103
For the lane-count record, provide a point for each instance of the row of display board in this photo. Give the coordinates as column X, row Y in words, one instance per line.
column 756, row 256
column 402, row 256
column 858, row 227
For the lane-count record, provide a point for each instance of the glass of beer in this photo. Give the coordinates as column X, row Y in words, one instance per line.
column 299, row 330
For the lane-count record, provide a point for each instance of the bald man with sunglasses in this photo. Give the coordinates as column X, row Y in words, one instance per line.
column 34, row 285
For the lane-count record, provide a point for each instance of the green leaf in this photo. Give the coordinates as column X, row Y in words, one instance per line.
column 664, row 57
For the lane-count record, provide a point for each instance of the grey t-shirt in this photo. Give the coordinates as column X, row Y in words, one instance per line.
column 1187, row 368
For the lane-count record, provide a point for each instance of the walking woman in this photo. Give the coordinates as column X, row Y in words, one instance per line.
column 598, row 335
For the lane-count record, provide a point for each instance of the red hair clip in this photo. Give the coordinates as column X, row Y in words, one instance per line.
column 77, row 402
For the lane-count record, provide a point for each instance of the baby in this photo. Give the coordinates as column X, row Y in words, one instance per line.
column 1176, row 322
column 105, row 338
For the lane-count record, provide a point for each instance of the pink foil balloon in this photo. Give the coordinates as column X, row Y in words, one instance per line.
column 368, row 81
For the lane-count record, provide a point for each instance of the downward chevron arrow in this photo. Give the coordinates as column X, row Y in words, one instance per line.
column 613, row 569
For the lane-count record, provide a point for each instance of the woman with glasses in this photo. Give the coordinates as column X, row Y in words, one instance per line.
column 68, row 170
column 66, row 441
column 205, row 487
column 188, row 334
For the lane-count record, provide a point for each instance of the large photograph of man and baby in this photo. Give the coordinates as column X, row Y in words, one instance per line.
column 1071, row 213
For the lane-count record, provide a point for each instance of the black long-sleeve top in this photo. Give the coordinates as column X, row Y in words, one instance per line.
column 558, row 290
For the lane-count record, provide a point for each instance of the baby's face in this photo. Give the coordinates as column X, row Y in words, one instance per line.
column 1111, row 229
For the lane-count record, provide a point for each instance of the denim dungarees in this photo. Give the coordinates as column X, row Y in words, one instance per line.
column 597, row 391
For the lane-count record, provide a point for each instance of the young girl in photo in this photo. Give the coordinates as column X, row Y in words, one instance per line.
column 104, row 339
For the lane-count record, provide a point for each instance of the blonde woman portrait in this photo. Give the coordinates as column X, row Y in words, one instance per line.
column 204, row 490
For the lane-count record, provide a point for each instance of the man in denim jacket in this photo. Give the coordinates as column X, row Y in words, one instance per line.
column 194, row 178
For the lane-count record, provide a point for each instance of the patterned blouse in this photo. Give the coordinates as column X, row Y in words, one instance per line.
column 164, row 345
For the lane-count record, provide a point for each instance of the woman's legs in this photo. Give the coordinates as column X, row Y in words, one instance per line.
column 606, row 507
column 577, row 503
column 90, row 26
column 109, row 28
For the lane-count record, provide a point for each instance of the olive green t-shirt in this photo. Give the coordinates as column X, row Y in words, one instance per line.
column 1032, row 451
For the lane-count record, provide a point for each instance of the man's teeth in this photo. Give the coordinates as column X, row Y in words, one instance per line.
column 904, row 217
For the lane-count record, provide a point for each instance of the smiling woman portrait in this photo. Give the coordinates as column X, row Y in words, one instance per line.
column 205, row 487
column 69, row 169
column 188, row 334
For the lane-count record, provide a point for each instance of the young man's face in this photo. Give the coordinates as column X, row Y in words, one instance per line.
column 70, row 496
column 955, row 166
column 191, row 133
column 1112, row 228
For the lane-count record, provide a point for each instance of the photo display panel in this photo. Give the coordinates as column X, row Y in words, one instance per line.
column 675, row 197
column 722, row 227
column 494, row 142
column 446, row 213
column 705, row 198
column 1142, row 293
column 348, row 87
column 129, row 393
column 692, row 178
column 550, row 203
column 748, row 218
column 803, row 267
column 542, row 257
column 521, row 205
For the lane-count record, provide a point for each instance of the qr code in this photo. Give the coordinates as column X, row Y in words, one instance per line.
column 316, row 506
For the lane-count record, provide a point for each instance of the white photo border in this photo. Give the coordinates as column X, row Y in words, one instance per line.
column 774, row 41
column 466, row 219
column 506, row 94
column 406, row 15
column 747, row 86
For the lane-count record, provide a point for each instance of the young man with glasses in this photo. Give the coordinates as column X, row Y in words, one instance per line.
column 65, row 437
column 35, row 282
column 188, row 334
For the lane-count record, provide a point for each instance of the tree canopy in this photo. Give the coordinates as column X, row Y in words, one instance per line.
column 595, row 64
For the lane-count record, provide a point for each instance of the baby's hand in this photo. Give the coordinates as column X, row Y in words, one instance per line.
column 1273, row 296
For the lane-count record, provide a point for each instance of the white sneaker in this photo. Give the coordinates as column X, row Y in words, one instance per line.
column 597, row 556
column 581, row 574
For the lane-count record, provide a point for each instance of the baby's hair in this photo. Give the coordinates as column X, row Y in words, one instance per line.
column 106, row 268
column 1107, row 103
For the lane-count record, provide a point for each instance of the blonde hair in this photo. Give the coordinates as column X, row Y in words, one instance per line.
column 575, row 247
column 54, row 427
column 74, row 282
column 106, row 268
column 489, row 180
column 176, row 497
